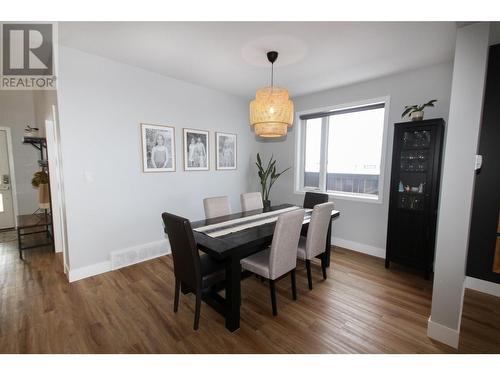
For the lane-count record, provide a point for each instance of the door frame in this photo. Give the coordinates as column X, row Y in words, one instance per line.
column 54, row 157
column 12, row 171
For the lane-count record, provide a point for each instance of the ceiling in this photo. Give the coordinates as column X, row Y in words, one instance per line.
column 230, row 56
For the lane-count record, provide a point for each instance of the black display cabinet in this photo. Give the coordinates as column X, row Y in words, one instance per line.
column 414, row 193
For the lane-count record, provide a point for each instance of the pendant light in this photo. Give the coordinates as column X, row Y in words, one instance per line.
column 271, row 112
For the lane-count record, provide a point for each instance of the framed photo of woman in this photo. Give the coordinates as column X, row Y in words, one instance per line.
column 196, row 150
column 158, row 148
column 226, row 146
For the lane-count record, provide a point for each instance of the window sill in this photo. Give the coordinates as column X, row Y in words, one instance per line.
column 344, row 196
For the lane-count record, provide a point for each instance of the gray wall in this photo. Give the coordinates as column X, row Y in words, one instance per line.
column 457, row 186
column 363, row 226
column 111, row 204
column 16, row 111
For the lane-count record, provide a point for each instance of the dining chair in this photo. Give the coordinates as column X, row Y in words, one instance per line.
column 216, row 206
column 196, row 273
column 315, row 242
column 311, row 199
column 251, row 201
column 281, row 257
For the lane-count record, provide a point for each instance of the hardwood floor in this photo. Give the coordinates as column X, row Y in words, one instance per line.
column 360, row 308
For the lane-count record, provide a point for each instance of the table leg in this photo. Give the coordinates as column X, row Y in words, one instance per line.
column 233, row 278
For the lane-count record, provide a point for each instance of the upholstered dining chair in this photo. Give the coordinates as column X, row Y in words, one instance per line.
column 196, row 273
column 281, row 258
column 315, row 242
column 251, row 201
column 311, row 199
column 216, row 206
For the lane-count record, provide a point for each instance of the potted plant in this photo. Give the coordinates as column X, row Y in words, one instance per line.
column 40, row 181
column 416, row 112
column 268, row 177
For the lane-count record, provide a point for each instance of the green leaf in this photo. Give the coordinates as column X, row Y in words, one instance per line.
column 407, row 111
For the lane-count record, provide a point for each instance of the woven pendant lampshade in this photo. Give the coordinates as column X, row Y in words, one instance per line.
column 271, row 112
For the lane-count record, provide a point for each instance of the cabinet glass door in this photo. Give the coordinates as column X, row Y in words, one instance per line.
column 415, row 164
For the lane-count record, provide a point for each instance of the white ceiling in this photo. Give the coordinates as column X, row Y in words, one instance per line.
column 230, row 56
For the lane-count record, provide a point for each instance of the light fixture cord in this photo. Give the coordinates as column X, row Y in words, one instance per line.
column 272, row 74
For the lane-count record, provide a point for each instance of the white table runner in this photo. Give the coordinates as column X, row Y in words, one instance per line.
column 236, row 225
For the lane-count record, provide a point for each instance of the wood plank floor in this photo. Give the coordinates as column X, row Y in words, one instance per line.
column 360, row 308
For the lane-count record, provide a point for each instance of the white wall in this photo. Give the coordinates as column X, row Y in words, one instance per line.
column 363, row 226
column 471, row 56
column 17, row 111
column 111, row 204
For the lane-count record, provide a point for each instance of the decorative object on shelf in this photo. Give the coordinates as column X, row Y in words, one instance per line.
column 407, row 188
column 416, row 112
column 421, row 187
column 267, row 177
column 158, row 148
column 226, row 150
column 196, row 150
column 31, row 132
column 40, row 181
column 271, row 112
column 401, row 187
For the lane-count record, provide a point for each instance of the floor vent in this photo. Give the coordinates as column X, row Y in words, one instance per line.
column 136, row 254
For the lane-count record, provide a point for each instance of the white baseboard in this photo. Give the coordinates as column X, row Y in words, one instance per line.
column 359, row 247
column 88, row 271
column 141, row 253
column 441, row 333
column 482, row 286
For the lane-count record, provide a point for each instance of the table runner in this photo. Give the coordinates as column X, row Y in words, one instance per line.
column 236, row 225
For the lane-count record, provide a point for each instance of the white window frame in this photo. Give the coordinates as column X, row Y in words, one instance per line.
column 300, row 152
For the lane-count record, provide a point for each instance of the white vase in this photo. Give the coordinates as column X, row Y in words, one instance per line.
column 43, row 196
column 417, row 116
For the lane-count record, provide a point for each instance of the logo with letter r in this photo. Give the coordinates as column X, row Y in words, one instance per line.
column 27, row 49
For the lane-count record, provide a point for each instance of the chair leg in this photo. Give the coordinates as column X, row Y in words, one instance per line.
column 176, row 298
column 294, row 286
column 323, row 265
column 272, row 289
column 197, row 311
column 309, row 276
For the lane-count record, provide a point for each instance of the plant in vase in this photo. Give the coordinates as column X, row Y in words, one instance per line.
column 416, row 112
column 40, row 181
column 268, row 177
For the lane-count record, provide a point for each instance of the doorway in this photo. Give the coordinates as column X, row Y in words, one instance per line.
column 7, row 198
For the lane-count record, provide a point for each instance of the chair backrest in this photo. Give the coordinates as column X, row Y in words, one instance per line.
column 216, row 206
column 187, row 267
column 251, row 201
column 311, row 199
column 318, row 228
column 283, row 254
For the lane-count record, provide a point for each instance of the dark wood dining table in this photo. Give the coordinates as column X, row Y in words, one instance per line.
column 231, row 248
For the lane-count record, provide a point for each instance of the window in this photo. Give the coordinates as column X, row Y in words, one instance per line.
column 341, row 151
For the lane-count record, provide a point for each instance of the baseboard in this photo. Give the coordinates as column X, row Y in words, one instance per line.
column 482, row 286
column 88, row 271
column 442, row 333
column 359, row 247
column 126, row 257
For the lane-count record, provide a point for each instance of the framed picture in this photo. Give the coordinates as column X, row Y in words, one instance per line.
column 226, row 146
column 158, row 148
column 196, row 150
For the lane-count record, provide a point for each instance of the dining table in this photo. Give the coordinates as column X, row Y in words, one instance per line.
column 230, row 238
